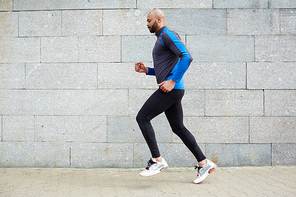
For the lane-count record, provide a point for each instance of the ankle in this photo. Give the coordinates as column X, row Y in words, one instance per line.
column 202, row 163
column 158, row 159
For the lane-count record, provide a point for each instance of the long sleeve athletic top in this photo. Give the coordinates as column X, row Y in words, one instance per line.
column 171, row 58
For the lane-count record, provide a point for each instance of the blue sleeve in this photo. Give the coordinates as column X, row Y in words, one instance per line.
column 151, row 71
column 173, row 42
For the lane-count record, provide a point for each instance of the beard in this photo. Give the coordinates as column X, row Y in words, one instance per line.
column 154, row 27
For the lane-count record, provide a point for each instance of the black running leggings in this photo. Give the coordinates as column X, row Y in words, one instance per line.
column 170, row 103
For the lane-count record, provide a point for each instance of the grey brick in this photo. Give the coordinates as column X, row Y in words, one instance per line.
column 288, row 21
column 99, row 49
column 239, row 154
column 115, row 22
column 240, row 3
column 280, row 103
column 59, row 49
column 93, row 155
column 176, row 4
column 278, row 75
column 137, row 48
column 93, row 102
column 193, row 103
column 6, row 5
column 220, row 75
column 71, row 129
column 66, row 102
column 137, row 97
column 125, row 129
column 65, row 4
column 284, row 154
column 18, row 128
column 221, row 48
column 82, row 22
column 176, row 155
column 234, row 103
column 34, row 154
column 24, row 102
column 253, row 22
column 275, row 48
column 273, row 129
column 218, row 129
column 61, row 76
column 282, row 4
column 198, row 21
column 19, row 50
column 44, row 23
column 8, row 23
column 123, row 75
column 12, row 76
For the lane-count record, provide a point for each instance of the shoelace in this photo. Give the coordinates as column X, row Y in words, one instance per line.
column 150, row 163
column 198, row 169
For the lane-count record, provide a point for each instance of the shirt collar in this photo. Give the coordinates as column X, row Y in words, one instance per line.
column 160, row 31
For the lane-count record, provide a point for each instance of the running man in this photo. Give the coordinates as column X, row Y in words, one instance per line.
column 171, row 59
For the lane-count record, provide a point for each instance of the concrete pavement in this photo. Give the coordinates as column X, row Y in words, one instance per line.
column 224, row 181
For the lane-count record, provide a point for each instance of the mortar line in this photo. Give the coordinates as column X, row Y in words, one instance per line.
column 25, row 70
column 18, row 22
column 254, row 48
column 249, row 129
column 97, row 75
column 61, row 22
column 2, row 128
column 70, row 156
column 246, row 75
column 102, row 25
column 271, row 148
column 204, row 100
column 264, row 114
column 35, row 128
column 226, row 14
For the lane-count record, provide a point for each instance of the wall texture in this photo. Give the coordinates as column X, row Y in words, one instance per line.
column 69, row 94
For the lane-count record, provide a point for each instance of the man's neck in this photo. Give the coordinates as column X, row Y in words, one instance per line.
column 159, row 30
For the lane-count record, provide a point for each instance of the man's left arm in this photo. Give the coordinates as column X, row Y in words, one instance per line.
column 176, row 46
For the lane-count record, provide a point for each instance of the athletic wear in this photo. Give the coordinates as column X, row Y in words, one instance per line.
column 171, row 58
column 154, row 167
column 204, row 172
column 170, row 103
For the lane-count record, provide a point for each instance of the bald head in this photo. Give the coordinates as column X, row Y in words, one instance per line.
column 158, row 13
column 155, row 20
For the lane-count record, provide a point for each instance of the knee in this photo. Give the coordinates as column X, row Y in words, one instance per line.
column 138, row 118
column 141, row 119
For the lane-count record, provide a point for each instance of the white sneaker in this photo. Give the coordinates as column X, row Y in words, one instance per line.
column 204, row 172
column 154, row 167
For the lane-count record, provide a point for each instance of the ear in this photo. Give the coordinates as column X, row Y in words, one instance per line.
column 159, row 19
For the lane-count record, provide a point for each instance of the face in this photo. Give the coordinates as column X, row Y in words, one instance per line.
column 151, row 23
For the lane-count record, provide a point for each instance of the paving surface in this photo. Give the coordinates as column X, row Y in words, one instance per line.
column 240, row 181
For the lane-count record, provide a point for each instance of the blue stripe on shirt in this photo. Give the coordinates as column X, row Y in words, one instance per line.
column 183, row 63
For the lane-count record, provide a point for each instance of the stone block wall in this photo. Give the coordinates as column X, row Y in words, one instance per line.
column 69, row 93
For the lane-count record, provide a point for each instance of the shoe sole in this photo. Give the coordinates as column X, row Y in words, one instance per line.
column 210, row 171
column 161, row 170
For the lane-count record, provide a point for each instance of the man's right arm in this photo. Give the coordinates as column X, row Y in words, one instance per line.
column 139, row 67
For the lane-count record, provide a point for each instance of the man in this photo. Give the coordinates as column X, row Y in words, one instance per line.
column 171, row 60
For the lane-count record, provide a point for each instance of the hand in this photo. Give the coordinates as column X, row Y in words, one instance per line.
column 140, row 68
column 167, row 86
